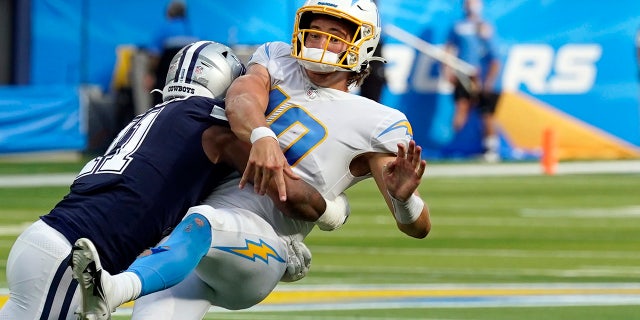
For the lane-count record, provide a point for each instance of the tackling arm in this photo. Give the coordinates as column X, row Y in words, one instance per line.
column 304, row 202
column 246, row 102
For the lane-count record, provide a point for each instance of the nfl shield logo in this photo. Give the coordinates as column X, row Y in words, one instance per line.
column 312, row 93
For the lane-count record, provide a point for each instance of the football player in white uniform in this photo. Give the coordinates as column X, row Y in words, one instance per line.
column 331, row 138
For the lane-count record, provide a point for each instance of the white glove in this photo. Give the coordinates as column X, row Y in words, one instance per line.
column 336, row 213
column 298, row 261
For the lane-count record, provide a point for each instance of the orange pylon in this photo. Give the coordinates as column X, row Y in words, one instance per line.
column 549, row 159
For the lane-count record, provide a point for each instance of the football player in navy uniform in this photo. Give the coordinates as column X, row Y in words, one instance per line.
column 127, row 200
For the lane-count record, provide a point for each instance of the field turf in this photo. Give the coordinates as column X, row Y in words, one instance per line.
column 488, row 232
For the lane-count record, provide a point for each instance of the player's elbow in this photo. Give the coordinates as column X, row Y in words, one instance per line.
column 301, row 212
column 420, row 233
column 301, row 204
column 415, row 231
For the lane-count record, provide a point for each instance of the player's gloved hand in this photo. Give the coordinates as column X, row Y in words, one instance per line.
column 298, row 261
column 336, row 213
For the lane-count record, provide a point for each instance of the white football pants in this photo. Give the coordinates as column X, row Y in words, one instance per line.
column 244, row 264
column 39, row 276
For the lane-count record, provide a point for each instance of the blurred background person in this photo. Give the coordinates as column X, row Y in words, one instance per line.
column 174, row 34
column 472, row 40
column 139, row 70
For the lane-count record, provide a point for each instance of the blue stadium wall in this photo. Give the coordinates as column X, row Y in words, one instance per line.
column 567, row 66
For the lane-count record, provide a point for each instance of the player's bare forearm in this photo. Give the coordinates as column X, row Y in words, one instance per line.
column 304, row 202
column 398, row 179
column 420, row 228
column 246, row 102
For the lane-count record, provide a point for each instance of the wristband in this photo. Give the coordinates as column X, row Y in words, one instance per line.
column 336, row 213
column 408, row 211
column 261, row 132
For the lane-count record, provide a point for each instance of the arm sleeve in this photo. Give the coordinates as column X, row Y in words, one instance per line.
column 390, row 131
column 269, row 56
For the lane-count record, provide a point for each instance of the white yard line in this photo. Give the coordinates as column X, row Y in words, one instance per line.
column 506, row 253
column 433, row 170
column 439, row 296
column 457, row 296
column 14, row 229
column 36, row 180
column 619, row 212
column 532, row 168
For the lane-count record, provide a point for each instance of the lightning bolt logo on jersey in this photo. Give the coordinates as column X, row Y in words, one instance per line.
column 252, row 250
column 402, row 124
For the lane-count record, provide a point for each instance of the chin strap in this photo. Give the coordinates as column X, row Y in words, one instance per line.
column 365, row 65
column 155, row 91
column 381, row 59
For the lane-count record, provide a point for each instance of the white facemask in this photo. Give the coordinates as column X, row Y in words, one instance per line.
column 319, row 65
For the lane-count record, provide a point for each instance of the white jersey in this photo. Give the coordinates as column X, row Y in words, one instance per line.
column 321, row 131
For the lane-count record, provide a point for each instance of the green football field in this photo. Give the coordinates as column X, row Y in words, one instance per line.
column 501, row 247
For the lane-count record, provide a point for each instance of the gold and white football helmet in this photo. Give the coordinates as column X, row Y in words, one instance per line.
column 363, row 14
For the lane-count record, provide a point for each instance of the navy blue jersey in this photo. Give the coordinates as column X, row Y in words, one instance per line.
column 128, row 199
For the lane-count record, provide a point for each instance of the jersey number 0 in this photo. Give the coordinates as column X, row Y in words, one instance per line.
column 294, row 126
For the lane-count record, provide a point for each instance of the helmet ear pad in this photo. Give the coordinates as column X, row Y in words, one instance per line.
column 364, row 65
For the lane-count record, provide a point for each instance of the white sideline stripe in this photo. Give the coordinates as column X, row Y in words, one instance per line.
column 601, row 271
column 533, row 299
column 523, row 220
column 294, row 287
column 14, row 229
column 507, row 253
column 519, row 169
column 37, row 180
column 621, row 212
column 433, row 170
column 608, row 297
column 495, row 302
